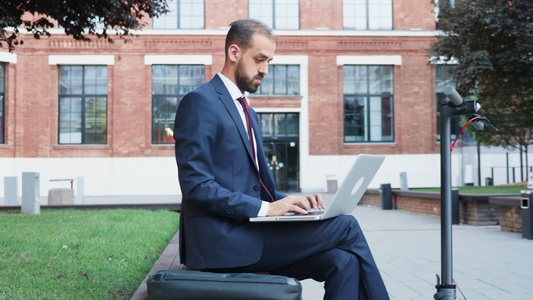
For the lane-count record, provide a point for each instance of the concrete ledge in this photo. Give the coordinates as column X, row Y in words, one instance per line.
column 373, row 191
column 417, row 194
column 512, row 200
column 483, row 197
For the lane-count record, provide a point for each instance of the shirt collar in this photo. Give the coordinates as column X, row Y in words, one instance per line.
column 232, row 87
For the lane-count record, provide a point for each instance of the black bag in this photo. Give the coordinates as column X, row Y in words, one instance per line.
column 189, row 285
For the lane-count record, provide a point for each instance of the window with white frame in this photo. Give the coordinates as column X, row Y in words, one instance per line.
column 281, row 80
column 82, row 104
column 183, row 14
column 367, row 14
column 368, row 104
column 169, row 84
column 278, row 14
column 279, row 125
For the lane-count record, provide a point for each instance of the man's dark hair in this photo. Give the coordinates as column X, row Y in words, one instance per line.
column 241, row 33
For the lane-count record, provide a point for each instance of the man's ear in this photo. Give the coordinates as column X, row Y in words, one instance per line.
column 234, row 52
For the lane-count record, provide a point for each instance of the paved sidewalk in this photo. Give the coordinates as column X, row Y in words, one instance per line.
column 488, row 264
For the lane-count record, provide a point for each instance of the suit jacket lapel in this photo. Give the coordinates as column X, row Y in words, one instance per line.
column 226, row 99
column 264, row 170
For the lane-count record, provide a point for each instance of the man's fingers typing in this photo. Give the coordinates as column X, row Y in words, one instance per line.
column 296, row 204
column 320, row 201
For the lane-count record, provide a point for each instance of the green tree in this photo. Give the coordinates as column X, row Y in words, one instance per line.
column 492, row 40
column 79, row 18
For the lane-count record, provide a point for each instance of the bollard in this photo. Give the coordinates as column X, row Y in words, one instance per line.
column 30, row 193
column 526, row 203
column 403, row 181
column 11, row 194
column 331, row 184
column 386, row 196
column 80, row 190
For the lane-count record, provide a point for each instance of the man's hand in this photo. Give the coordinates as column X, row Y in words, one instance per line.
column 296, row 204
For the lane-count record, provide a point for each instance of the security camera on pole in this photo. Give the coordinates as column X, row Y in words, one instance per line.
column 452, row 105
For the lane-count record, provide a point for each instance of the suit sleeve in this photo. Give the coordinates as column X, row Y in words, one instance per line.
column 280, row 195
column 205, row 183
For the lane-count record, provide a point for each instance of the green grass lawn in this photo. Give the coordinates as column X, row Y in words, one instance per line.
column 499, row 189
column 80, row 254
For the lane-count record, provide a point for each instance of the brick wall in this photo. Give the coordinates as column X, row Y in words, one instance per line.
column 426, row 206
column 371, row 198
column 309, row 10
column 478, row 213
column 412, row 15
column 220, row 13
column 510, row 218
column 129, row 94
column 32, row 84
column 510, row 212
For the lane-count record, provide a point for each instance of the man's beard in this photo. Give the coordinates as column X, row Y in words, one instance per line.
column 244, row 83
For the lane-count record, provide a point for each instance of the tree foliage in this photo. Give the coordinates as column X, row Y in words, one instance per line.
column 492, row 40
column 79, row 18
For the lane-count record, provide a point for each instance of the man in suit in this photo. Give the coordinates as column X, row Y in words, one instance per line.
column 225, row 180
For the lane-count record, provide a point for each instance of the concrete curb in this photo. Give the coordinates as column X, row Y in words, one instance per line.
column 169, row 259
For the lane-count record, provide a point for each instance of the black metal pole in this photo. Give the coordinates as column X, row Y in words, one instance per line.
column 521, row 166
column 446, row 287
column 507, row 165
column 453, row 105
column 446, row 200
column 478, row 164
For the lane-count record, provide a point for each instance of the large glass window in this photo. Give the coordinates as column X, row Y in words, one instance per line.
column 183, row 14
column 279, row 125
column 445, row 76
column 169, row 84
column 2, row 101
column 368, row 104
column 281, row 80
column 82, row 104
column 278, row 14
column 367, row 14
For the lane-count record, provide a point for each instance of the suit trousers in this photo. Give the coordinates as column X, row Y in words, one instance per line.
column 333, row 250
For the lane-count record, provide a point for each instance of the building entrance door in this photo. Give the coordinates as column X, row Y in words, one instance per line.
column 282, row 158
column 280, row 141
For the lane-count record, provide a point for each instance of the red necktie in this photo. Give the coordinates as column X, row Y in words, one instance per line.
column 246, row 109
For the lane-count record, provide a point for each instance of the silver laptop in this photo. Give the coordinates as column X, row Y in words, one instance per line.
column 348, row 195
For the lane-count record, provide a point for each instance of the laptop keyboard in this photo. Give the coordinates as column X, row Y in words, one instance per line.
column 314, row 212
column 311, row 212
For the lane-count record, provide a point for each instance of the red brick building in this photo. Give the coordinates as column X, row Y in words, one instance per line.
column 348, row 77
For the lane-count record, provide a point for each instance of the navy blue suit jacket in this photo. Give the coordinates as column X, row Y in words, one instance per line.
column 219, row 181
